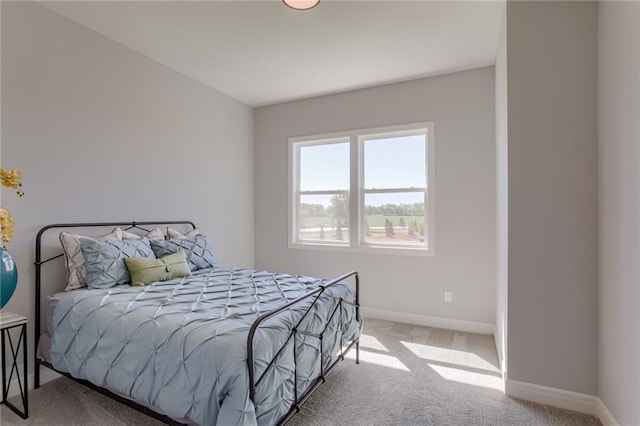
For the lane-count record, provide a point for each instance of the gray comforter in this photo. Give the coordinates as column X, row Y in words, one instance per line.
column 180, row 346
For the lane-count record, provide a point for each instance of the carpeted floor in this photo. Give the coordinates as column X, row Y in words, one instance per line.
column 409, row 375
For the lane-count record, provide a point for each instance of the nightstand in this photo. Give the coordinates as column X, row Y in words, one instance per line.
column 14, row 323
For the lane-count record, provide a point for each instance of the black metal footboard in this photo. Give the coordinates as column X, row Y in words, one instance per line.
column 317, row 381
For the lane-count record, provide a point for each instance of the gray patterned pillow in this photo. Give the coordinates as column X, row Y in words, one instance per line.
column 199, row 252
column 104, row 260
column 74, row 259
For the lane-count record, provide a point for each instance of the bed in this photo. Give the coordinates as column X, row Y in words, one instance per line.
column 220, row 346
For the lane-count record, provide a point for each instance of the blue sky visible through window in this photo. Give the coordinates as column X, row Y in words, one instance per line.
column 324, row 167
column 397, row 162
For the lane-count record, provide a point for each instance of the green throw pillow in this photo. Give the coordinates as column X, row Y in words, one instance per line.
column 145, row 270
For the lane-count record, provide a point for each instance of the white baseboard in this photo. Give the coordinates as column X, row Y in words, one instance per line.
column 46, row 375
column 568, row 400
column 450, row 324
column 605, row 416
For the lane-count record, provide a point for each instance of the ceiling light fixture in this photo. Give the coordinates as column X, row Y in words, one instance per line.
column 301, row 4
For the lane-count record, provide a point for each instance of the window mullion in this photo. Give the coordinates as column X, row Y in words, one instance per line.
column 294, row 194
column 393, row 190
column 354, row 197
column 324, row 192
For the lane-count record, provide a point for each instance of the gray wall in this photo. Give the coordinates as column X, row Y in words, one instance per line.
column 461, row 105
column 502, row 201
column 619, row 208
column 552, row 195
column 102, row 133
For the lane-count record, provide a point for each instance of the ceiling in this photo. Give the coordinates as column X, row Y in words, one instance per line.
column 262, row 52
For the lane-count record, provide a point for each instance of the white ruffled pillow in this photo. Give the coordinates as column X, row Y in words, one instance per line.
column 174, row 234
column 154, row 234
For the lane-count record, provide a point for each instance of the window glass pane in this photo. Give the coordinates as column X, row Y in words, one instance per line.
column 324, row 167
column 395, row 162
column 396, row 218
column 324, row 218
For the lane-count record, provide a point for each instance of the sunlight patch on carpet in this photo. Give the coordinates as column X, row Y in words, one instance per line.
column 378, row 359
column 371, row 342
column 451, row 356
column 459, row 366
column 468, row 377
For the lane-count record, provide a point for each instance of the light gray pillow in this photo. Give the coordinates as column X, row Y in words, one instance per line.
column 199, row 252
column 74, row 259
column 104, row 260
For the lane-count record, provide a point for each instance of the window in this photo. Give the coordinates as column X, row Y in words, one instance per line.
column 366, row 190
column 323, row 194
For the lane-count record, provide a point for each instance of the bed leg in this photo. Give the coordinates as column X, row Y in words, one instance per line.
column 36, row 374
column 358, row 352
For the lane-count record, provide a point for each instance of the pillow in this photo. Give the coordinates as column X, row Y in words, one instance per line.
column 104, row 260
column 74, row 259
column 198, row 251
column 154, row 234
column 144, row 271
column 174, row 234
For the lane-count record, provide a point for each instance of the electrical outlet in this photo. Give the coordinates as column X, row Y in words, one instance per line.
column 448, row 296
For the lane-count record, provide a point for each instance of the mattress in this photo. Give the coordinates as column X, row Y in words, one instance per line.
column 49, row 307
column 180, row 345
column 44, row 343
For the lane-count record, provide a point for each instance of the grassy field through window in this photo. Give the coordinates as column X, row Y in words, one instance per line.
column 378, row 228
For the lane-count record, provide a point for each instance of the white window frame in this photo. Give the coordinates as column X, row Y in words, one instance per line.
column 357, row 192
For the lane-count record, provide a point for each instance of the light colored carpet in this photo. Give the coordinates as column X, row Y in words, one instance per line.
column 408, row 376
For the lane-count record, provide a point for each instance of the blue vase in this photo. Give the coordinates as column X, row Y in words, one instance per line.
column 8, row 277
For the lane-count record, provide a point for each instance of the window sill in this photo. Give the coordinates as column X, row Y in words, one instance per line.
column 366, row 249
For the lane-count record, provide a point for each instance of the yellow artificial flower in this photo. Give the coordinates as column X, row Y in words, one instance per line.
column 11, row 179
column 6, row 225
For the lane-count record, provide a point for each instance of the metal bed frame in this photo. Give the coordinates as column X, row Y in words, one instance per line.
column 253, row 380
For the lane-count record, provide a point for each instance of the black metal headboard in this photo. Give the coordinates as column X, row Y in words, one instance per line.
column 39, row 262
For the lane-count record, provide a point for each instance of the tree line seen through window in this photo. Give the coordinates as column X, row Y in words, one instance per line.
column 389, row 222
